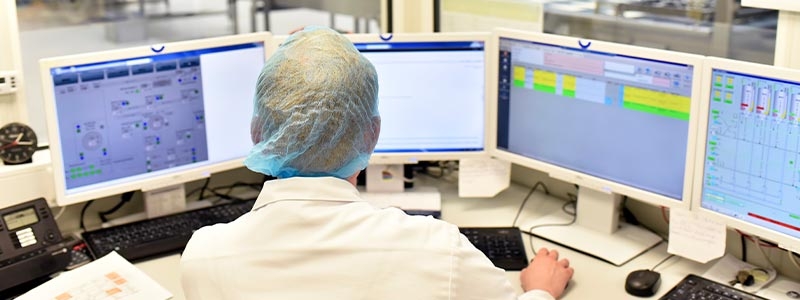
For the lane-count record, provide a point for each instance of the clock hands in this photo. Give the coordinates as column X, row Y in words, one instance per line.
column 17, row 142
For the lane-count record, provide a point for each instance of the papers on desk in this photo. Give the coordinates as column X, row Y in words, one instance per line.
column 110, row 277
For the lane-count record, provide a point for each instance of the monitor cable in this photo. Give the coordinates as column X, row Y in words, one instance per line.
column 60, row 212
column 760, row 249
column 743, row 241
column 83, row 213
column 229, row 189
column 563, row 208
column 793, row 259
column 572, row 202
column 202, row 190
column 527, row 197
column 124, row 199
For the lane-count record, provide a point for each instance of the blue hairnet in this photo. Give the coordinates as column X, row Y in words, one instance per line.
column 316, row 108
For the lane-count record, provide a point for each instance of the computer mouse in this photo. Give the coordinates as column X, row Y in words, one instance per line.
column 643, row 283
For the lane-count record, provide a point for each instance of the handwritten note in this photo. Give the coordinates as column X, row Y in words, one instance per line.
column 695, row 237
column 482, row 177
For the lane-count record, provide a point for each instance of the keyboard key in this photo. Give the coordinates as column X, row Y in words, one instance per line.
column 696, row 287
column 502, row 245
column 159, row 236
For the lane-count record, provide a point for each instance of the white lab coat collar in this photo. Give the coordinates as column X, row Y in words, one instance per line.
column 307, row 189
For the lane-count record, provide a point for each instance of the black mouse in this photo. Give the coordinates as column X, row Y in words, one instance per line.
column 642, row 283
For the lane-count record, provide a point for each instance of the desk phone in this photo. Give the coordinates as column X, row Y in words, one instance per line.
column 30, row 244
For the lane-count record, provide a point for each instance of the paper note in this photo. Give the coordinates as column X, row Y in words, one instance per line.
column 695, row 237
column 482, row 177
column 110, row 277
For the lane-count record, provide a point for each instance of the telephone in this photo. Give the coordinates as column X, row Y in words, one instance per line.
column 31, row 246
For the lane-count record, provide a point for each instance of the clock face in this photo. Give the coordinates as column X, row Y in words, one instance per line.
column 17, row 143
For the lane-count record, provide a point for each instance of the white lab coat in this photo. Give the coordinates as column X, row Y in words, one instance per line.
column 315, row 238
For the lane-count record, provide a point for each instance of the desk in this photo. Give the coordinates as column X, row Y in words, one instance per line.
column 592, row 277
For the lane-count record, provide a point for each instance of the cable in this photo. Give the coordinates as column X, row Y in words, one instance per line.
column 123, row 199
column 662, row 261
column 60, row 212
column 793, row 259
column 83, row 212
column 530, row 230
column 227, row 194
column 522, row 205
column 744, row 247
column 572, row 203
column 758, row 242
column 664, row 214
column 202, row 189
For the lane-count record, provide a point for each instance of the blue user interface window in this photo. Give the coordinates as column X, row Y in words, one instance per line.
column 123, row 118
column 752, row 149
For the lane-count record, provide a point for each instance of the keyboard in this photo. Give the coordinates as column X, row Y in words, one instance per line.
column 696, row 287
column 502, row 245
column 162, row 235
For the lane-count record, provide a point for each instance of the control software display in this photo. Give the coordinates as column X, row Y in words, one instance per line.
column 431, row 96
column 620, row 118
column 121, row 119
column 752, row 149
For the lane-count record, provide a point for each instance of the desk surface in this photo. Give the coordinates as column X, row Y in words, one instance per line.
column 592, row 277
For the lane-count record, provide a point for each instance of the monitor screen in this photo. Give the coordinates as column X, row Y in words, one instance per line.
column 750, row 168
column 432, row 97
column 121, row 119
column 618, row 113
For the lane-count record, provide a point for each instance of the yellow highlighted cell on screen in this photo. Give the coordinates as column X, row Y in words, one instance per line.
column 519, row 76
column 568, row 85
column 657, row 102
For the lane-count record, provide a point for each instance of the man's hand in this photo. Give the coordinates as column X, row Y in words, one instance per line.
column 547, row 273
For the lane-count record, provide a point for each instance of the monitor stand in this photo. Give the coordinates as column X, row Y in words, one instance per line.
column 385, row 187
column 597, row 230
column 164, row 200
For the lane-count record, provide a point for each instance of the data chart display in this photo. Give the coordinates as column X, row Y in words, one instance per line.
column 752, row 149
column 618, row 117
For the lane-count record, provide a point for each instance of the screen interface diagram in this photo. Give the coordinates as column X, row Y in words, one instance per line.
column 119, row 120
column 752, row 149
column 431, row 96
column 612, row 116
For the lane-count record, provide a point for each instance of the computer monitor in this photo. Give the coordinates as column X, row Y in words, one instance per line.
column 616, row 120
column 148, row 118
column 747, row 151
column 432, row 100
column 432, row 96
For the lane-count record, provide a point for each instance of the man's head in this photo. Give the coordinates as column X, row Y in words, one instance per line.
column 316, row 108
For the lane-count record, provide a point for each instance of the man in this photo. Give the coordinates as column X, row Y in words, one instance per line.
column 310, row 235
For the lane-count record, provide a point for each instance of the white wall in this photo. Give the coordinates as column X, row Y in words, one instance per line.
column 12, row 106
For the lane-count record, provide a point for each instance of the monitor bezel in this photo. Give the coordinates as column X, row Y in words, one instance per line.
column 179, row 176
column 384, row 158
column 583, row 179
column 783, row 240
